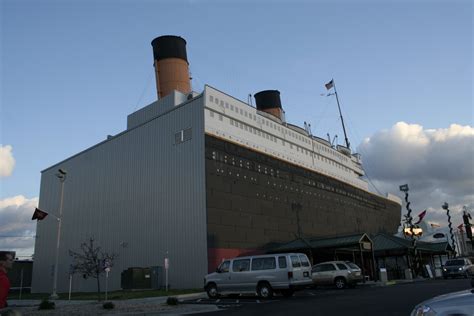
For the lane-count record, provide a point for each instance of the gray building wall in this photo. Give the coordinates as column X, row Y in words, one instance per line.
column 137, row 194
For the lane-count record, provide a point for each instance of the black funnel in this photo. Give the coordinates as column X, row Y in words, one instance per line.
column 268, row 99
column 169, row 46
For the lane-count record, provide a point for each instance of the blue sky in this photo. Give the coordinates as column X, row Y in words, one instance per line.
column 71, row 71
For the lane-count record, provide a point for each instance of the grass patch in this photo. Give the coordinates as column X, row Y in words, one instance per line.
column 115, row 295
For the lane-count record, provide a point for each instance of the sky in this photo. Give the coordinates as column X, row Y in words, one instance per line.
column 71, row 72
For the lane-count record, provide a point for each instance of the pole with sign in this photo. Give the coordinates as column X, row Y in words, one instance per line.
column 167, row 265
column 107, row 264
column 71, row 272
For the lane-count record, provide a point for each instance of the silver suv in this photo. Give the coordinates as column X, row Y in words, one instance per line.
column 339, row 273
column 462, row 267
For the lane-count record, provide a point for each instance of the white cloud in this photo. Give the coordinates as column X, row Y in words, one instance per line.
column 15, row 221
column 7, row 162
column 437, row 165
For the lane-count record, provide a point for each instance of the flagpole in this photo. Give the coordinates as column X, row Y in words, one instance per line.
column 340, row 113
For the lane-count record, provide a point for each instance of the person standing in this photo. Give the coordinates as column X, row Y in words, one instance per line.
column 6, row 262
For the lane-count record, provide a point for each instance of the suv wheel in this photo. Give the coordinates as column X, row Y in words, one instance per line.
column 264, row 290
column 211, row 290
column 340, row 283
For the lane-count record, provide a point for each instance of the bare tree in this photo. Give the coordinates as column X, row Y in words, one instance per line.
column 91, row 262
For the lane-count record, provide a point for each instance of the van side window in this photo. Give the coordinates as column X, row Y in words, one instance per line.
column 241, row 265
column 282, row 262
column 224, row 267
column 263, row 264
column 257, row 264
column 304, row 261
column 269, row 263
column 295, row 262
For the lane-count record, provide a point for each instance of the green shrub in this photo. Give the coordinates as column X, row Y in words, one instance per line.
column 108, row 305
column 172, row 301
column 45, row 304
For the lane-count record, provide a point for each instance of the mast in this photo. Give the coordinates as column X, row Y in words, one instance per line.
column 340, row 113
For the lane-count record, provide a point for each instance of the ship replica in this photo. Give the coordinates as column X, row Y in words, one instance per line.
column 201, row 176
column 267, row 180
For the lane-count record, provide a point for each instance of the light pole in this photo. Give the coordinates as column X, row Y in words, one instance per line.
column 445, row 206
column 62, row 177
column 409, row 221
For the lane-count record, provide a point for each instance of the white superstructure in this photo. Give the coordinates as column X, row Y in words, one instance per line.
column 236, row 121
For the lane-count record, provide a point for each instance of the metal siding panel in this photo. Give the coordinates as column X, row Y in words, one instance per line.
column 137, row 188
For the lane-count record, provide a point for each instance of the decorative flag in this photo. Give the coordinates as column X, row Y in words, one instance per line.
column 330, row 84
column 39, row 214
column 404, row 188
column 460, row 227
column 420, row 216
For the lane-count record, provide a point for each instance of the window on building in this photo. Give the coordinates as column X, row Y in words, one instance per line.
column 182, row 136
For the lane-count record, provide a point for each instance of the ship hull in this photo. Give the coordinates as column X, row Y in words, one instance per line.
column 255, row 201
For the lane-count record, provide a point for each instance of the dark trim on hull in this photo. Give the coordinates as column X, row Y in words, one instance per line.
column 254, row 200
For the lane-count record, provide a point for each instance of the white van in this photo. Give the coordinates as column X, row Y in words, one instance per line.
column 264, row 274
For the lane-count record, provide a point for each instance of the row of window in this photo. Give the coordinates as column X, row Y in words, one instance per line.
column 263, row 169
column 290, row 189
column 270, row 124
column 272, row 138
column 258, row 264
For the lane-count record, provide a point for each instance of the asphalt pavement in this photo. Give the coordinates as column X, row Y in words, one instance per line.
column 394, row 298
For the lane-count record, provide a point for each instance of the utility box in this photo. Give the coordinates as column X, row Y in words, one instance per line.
column 136, row 278
column 156, row 277
column 408, row 275
column 383, row 275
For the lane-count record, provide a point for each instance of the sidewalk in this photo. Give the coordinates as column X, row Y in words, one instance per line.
column 140, row 306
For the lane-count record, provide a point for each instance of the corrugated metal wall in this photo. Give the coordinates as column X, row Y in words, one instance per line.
column 139, row 195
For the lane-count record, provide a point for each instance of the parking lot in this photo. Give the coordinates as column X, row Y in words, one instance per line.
column 229, row 301
column 371, row 299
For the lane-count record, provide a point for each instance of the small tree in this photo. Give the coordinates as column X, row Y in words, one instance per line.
column 91, row 262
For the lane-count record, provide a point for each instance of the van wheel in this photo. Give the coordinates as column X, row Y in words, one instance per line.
column 287, row 293
column 211, row 290
column 264, row 290
column 340, row 283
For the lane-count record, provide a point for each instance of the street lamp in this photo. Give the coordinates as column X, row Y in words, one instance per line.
column 411, row 230
column 445, row 207
column 61, row 175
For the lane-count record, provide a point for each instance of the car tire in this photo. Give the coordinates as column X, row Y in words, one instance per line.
column 340, row 283
column 287, row 293
column 264, row 290
column 211, row 290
